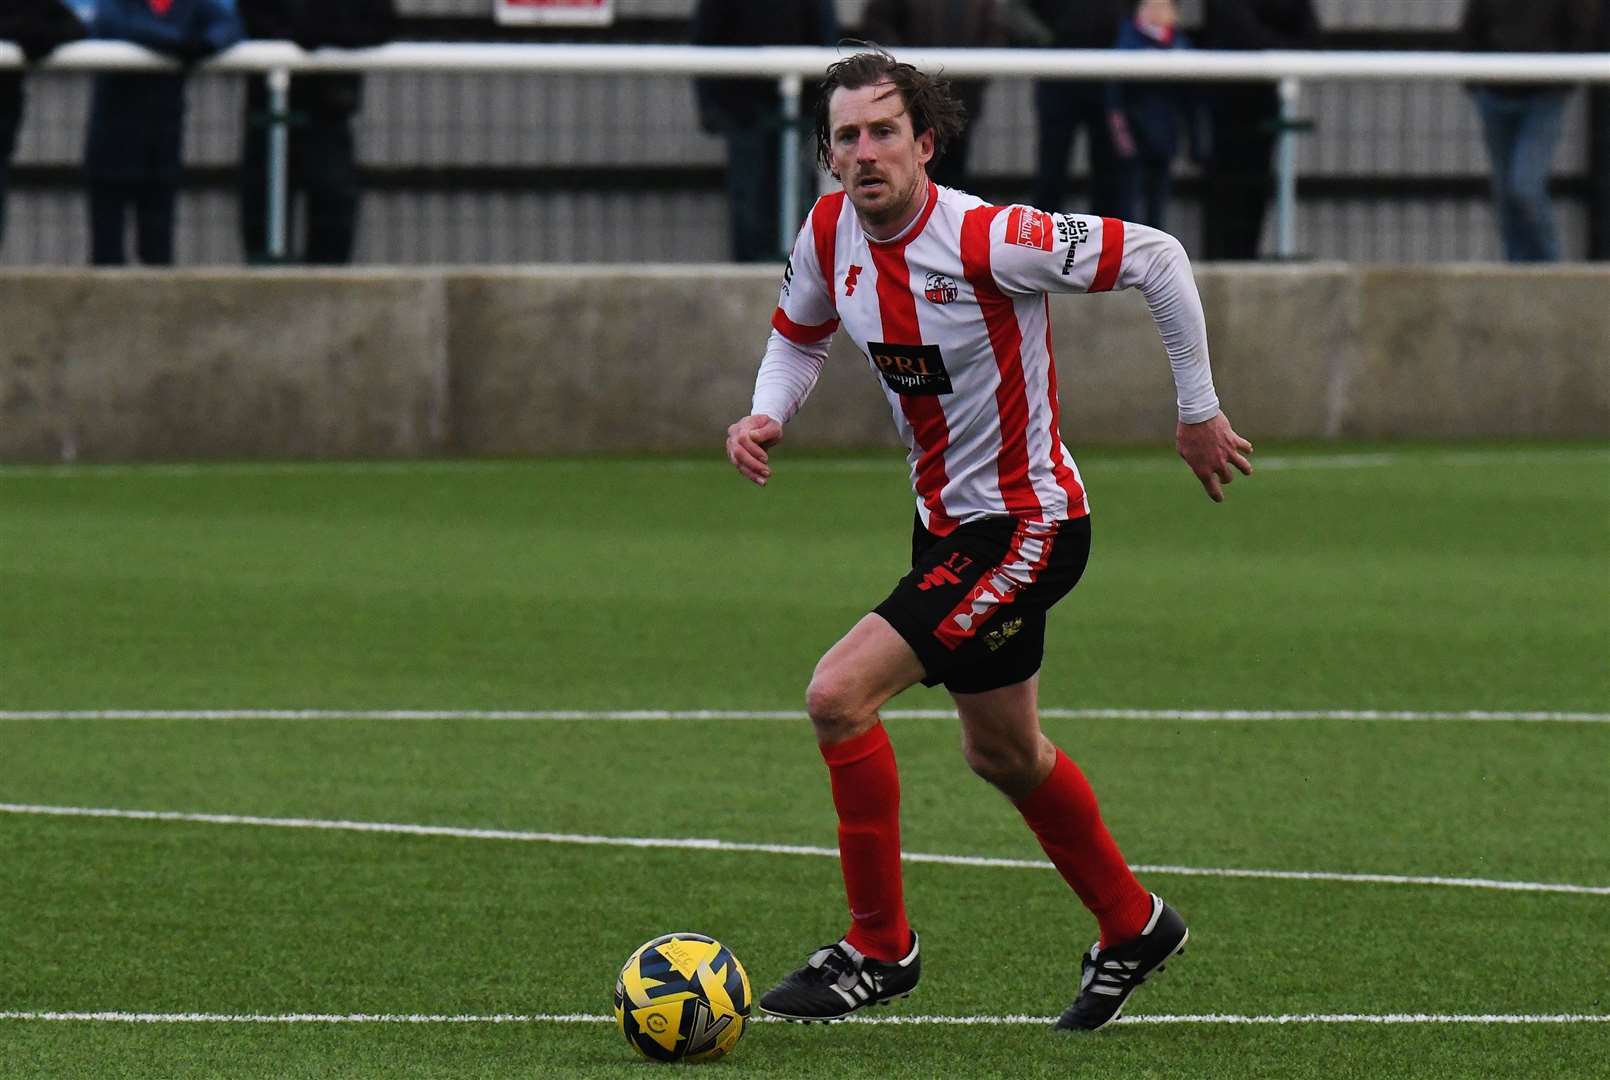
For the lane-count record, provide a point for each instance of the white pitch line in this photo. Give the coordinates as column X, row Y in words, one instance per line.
column 553, row 715
column 588, row 1018
column 705, row 844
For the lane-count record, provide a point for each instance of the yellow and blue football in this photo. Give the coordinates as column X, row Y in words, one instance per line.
column 682, row 997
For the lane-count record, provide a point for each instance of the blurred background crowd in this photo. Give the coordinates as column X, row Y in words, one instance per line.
column 118, row 167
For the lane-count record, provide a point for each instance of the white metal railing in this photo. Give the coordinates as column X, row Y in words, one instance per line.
column 281, row 61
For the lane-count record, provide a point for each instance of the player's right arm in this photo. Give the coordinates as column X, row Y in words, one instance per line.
column 802, row 331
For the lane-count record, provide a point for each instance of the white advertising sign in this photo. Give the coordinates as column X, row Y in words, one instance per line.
column 555, row 12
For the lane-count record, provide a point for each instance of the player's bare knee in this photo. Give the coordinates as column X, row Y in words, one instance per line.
column 836, row 710
column 1002, row 764
column 1015, row 766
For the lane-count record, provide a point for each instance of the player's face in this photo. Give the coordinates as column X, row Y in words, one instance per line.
column 876, row 156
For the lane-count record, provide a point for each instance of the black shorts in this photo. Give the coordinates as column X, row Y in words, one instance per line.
column 973, row 607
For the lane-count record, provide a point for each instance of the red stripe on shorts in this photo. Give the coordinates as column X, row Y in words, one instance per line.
column 999, row 585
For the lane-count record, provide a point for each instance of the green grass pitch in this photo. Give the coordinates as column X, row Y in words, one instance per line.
column 1427, row 579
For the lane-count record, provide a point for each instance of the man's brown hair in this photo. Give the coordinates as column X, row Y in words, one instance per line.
column 928, row 98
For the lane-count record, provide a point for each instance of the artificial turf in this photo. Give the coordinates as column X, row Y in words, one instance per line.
column 1410, row 578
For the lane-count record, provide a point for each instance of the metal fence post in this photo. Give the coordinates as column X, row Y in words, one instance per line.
column 788, row 182
column 279, row 107
column 1286, row 186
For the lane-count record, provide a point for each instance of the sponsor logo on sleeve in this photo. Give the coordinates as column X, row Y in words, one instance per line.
column 1073, row 233
column 939, row 289
column 849, row 279
column 788, row 275
column 1028, row 227
column 912, row 370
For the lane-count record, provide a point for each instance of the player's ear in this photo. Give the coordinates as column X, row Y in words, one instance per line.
column 925, row 147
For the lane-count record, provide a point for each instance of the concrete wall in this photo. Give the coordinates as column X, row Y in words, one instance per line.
column 114, row 366
column 1467, row 351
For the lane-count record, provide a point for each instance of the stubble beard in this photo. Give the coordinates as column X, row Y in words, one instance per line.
column 896, row 210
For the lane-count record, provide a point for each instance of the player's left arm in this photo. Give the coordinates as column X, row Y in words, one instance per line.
column 1078, row 253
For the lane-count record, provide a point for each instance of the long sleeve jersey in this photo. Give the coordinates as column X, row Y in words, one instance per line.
column 953, row 318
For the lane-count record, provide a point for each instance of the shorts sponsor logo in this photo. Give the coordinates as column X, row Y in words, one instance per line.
column 1028, row 227
column 945, row 574
column 939, row 289
column 998, row 636
column 1073, row 233
column 913, row 370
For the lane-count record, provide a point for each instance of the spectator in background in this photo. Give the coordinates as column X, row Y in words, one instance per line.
column 37, row 27
column 1147, row 117
column 1246, row 121
column 747, row 112
column 1066, row 106
column 942, row 24
column 136, row 122
column 1521, row 121
column 323, row 157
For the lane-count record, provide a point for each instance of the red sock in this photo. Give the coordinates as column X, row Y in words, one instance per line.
column 866, row 793
column 1062, row 812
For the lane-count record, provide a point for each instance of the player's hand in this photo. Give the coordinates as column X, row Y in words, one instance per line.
column 1210, row 448
column 747, row 443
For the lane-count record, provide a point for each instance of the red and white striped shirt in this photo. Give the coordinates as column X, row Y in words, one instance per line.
column 953, row 317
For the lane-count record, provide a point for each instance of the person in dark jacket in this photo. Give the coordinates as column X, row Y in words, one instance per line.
column 1149, row 116
column 136, row 124
column 1521, row 122
column 746, row 112
column 37, row 27
column 1064, row 107
column 323, row 154
column 1246, row 121
column 945, row 24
